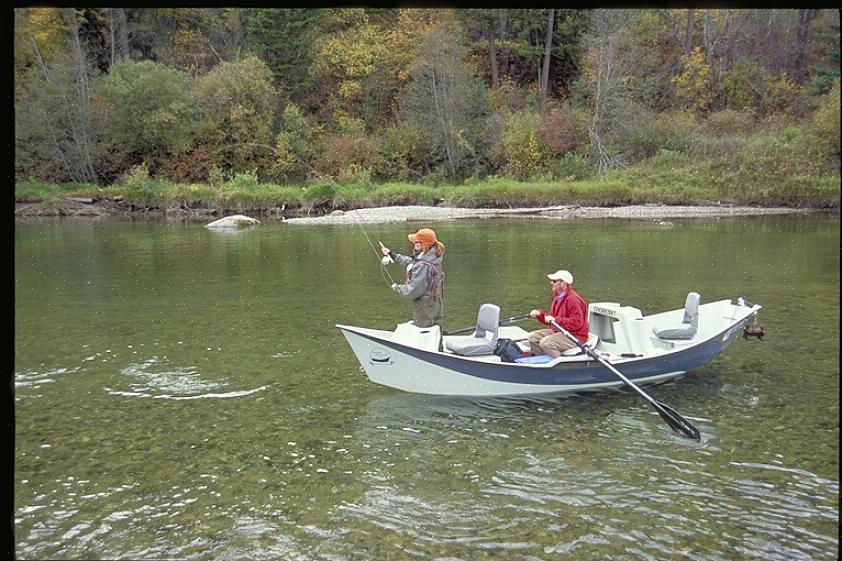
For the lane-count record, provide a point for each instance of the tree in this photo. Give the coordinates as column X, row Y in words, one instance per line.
column 481, row 26
column 446, row 100
column 827, row 123
column 805, row 17
column 236, row 102
column 283, row 39
column 548, row 49
column 826, row 68
column 56, row 123
column 151, row 114
column 606, row 69
column 693, row 84
column 295, row 146
column 346, row 62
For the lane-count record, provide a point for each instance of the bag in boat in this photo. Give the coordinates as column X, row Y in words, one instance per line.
column 507, row 350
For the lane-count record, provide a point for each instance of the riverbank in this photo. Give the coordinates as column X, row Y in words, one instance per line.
column 90, row 207
column 425, row 213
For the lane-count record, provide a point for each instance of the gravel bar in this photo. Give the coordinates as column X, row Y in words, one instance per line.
column 433, row 213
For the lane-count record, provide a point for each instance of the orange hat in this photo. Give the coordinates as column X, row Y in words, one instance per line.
column 424, row 235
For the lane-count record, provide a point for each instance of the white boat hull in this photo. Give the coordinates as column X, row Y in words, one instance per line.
column 417, row 365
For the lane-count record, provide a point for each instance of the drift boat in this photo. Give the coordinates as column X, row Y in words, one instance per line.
column 646, row 349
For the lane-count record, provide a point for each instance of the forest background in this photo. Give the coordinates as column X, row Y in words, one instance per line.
column 257, row 109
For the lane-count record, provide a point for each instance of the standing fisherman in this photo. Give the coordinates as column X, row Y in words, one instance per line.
column 424, row 277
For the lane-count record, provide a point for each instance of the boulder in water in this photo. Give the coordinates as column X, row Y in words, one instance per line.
column 234, row 221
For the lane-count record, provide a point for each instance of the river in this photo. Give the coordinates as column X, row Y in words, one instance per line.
column 183, row 393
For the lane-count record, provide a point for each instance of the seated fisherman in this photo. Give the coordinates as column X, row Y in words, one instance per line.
column 568, row 309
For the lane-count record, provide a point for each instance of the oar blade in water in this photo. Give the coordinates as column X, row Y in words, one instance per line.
column 678, row 423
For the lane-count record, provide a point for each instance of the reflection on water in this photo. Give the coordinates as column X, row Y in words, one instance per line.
column 180, row 394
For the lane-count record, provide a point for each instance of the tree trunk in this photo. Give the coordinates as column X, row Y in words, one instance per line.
column 123, row 29
column 492, row 56
column 111, row 40
column 79, row 115
column 548, row 50
column 504, row 69
column 805, row 17
column 688, row 35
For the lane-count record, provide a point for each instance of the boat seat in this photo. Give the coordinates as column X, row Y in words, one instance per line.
column 593, row 340
column 688, row 326
column 484, row 339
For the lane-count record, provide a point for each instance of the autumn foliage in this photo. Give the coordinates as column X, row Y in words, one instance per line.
column 362, row 95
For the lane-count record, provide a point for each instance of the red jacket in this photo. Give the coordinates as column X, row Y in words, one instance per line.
column 571, row 312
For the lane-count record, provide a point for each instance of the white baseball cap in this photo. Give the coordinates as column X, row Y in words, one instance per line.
column 561, row 275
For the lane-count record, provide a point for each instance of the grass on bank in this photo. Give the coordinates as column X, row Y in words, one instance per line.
column 668, row 178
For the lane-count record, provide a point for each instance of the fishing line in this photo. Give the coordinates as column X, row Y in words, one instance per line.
column 383, row 271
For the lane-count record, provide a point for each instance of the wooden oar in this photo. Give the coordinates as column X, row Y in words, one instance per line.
column 678, row 423
column 501, row 322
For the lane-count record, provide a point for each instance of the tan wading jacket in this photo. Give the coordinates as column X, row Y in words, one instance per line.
column 424, row 286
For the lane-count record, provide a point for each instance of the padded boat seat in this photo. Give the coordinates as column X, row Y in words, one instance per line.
column 484, row 339
column 593, row 340
column 688, row 326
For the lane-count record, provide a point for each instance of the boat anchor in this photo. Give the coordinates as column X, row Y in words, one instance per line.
column 754, row 330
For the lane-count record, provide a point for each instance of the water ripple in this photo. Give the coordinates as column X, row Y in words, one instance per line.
column 32, row 379
column 151, row 380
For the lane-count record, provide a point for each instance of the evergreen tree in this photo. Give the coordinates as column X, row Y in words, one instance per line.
column 283, row 39
column 828, row 70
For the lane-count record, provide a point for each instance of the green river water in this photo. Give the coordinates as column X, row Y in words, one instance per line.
column 183, row 394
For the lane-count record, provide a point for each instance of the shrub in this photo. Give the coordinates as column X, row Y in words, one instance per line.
column 521, row 148
column 508, row 96
column 192, row 167
column 244, row 181
column 572, row 167
column 341, row 155
column 402, row 151
column 792, row 150
column 692, row 85
column 730, row 121
column 562, row 130
column 294, row 146
column 650, row 133
column 138, row 186
column 781, row 95
column 826, row 124
column 742, row 85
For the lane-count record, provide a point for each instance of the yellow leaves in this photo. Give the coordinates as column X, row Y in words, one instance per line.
column 285, row 162
column 352, row 53
column 48, row 28
column 520, row 144
column 350, row 90
column 692, row 85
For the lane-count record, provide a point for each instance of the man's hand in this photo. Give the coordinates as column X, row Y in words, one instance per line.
column 534, row 314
